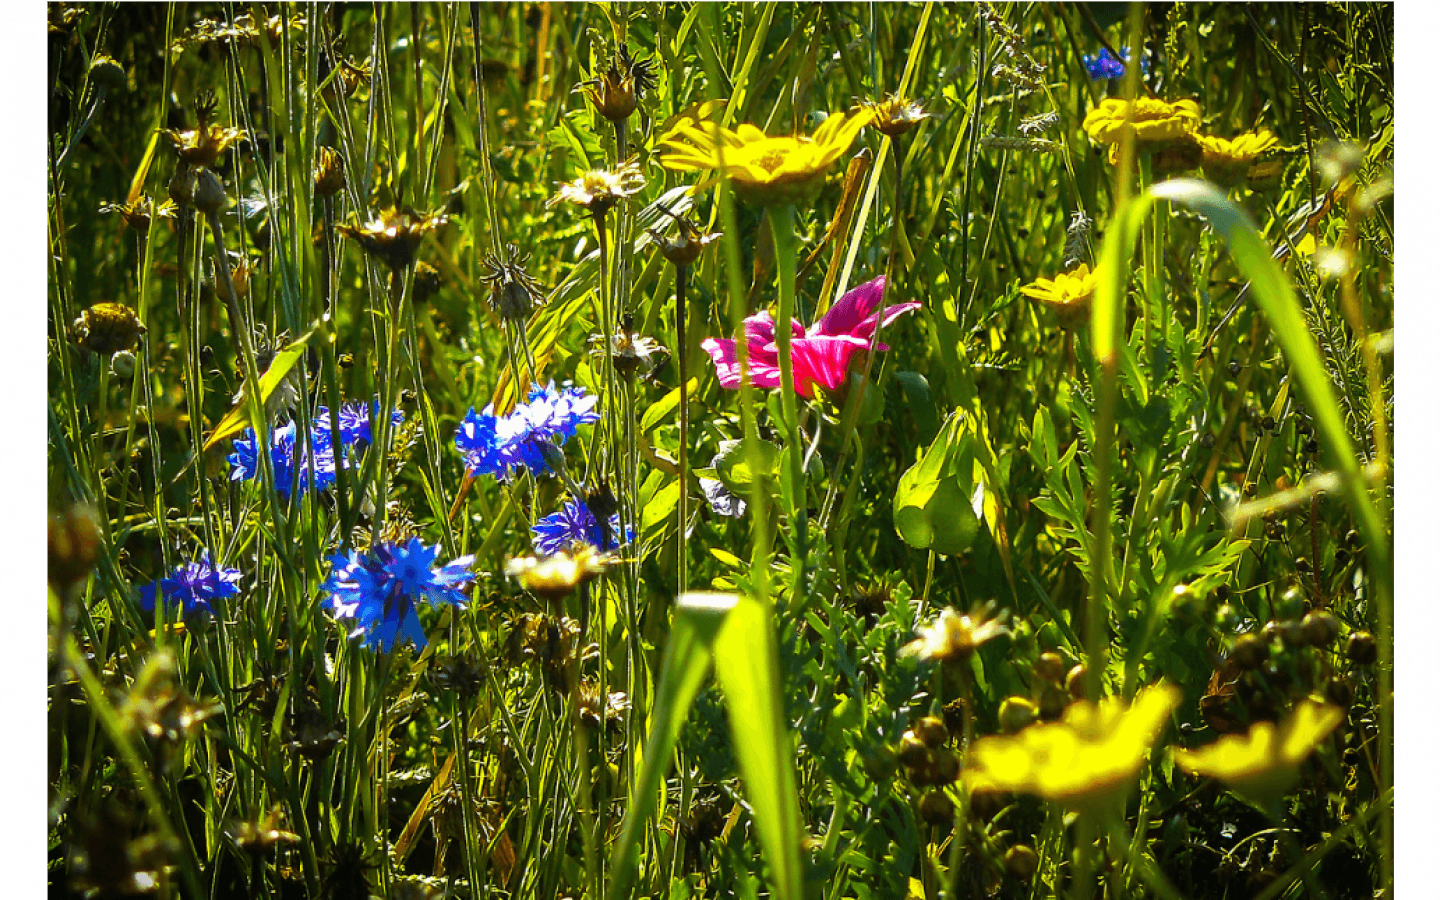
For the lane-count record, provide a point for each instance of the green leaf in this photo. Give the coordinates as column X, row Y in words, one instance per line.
column 933, row 503
column 665, row 406
column 698, row 618
column 734, row 469
column 747, row 663
column 238, row 419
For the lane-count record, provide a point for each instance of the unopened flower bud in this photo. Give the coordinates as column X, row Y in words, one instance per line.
column 1320, row 628
column 1016, row 713
column 106, row 73
column 1360, row 648
column 122, row 364
column 1050, row 667
column 931, row 731
column 1021, row 861
column 947, row 766
column 937, row 809
column 209, row 194
column 1251, row 651
column 912, row 753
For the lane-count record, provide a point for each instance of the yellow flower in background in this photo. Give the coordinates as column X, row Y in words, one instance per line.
column 1087, row 759
column 1155, row 120
column 1226, row 162
column 953, row 636
column 1068, row 294
column 765, row 170
column 1240, row 150
column 1264, row 763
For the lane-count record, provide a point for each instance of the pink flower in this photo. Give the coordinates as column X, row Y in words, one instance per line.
column 821, row 355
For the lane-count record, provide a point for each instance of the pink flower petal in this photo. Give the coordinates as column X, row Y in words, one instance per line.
column 763, row 372
column 851, row 310
column 823, row 360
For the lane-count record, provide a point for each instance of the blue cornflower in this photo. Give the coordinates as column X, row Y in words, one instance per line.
column 526, row 438
column 286, row 452
column 287, row 448
column 377, row 589
column 1105, row 65
column 575, row 522
column 193, row 585
column 355, row 422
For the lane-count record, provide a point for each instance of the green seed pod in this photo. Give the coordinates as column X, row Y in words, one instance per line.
column 1021, row 861
column 1050, row 667
column 1251, row 651
column 1360, row 648
column 1320, row 628
column 106, row 73
column 947, row 766
column 1016, row 713
column 1075, row 682
column 912, row 752
column 931, row 731
column 937, row 809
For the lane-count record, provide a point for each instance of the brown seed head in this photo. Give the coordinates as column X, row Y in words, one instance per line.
column 329, row 172
column 393, row 236
column 895, row 115
column 617, row 90
column 107, row 328
column 106, row 73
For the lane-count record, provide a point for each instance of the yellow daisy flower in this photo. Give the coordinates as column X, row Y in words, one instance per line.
column 1264, row 763
column 1155, row 120
column 1226, row 162
column 766, row 171
column 1087, row 759
column 1068, row 294
column 1156, row 123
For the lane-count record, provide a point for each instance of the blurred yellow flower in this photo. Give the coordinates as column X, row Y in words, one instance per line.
column 895, row 115
column 1239, row 150
column 1088, row 758
column 1264, row 763
column 1226, row 162
column 765, row 170
column 1068, row 294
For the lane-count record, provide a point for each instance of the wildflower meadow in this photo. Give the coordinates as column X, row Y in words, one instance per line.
column 669, row 450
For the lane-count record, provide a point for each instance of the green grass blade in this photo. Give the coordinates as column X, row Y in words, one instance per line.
column 698, row 618
column 747, row 662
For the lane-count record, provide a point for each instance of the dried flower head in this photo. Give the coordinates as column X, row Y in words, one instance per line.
column 629, row 353
column 685, row 247
column 393, row 236
column 260, row 837
column 202, row 145
column 1068, row 294
column 513, row 292
column 559, row 574
column 597, row 709
column 329, row 172
column 348, row 77
column 138, row 213
column 107, row 328
column 895, row 115
column 427, row 281
column 953, row 637
column 616, row 90
column 764, row 170
column 311, row 733
column 464, row 674
column 600, row 189
column 60, row 17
